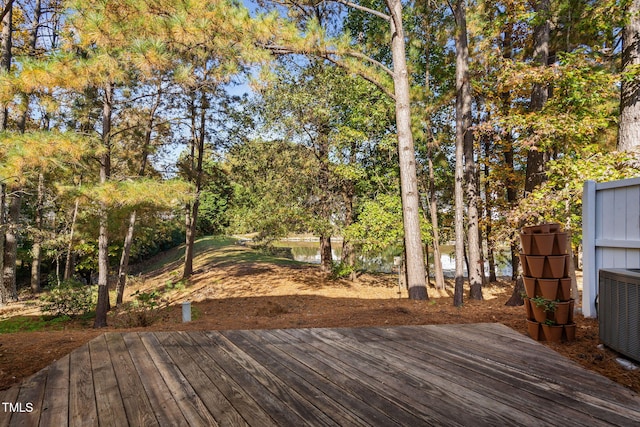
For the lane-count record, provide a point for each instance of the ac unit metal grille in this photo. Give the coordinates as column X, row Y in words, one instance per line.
column 619, row 310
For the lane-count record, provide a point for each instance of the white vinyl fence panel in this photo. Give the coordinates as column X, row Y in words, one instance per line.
column 610, row 232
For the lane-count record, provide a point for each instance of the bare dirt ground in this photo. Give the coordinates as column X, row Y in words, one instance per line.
column 256, row 295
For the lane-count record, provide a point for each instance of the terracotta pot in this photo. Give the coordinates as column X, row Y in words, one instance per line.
column 525, row 266
column 560, row 244
column 556, row 264
column 552, row 333
column 569, row 332
column 554, row 227
column 539, row 314
column 548, row 288
column 526, row 240
column 536, row 265
column 542, row 228
column 562, row 314
column 564, row 293
column 530, row 286
column 543, row 243
column 534, row 330
column 527, row 308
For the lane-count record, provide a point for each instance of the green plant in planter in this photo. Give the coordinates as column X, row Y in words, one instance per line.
column 548, row 305
column 550, row 322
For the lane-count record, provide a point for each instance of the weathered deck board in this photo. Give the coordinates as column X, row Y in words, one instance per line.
column 445, row 375
column 192, row 407
column 108, row 395
column 82, row 398
column 55, row 407
column 136, row 402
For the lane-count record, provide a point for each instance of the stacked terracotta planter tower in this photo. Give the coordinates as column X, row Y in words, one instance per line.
column 545, row 266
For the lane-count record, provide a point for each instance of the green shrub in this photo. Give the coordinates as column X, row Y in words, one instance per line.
column 145, row 309
column 71, row 298
column 341, row 270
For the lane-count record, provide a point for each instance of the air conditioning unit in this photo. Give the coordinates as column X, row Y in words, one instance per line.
column 619, row 310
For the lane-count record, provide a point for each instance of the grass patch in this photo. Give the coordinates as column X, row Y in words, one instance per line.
column 243, row 254
column 32, row 324
column 204, row 244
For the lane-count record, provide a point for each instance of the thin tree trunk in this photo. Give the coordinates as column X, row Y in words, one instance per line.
column 123, row 269
column 488, row 213
column 5, row 57
column 512, row 198
column 629, row 125
column 22, row 125
column 33, row 40
column 348, row 252
column 433, row 210
column 510, row 182
column 11, row 247
column 124, row 259
column 433, row 201
column 3, row 225
column 102, row 306
column 191, row 228
column 407, row 158
column 188, row 256
column 465, row 134
column 458, row 297
column 324, row 187
column 68, row 267
column 37, row 241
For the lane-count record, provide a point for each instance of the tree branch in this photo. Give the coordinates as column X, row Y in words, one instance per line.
column 364, row 76
column 364, row 9
column 6, row 9
column 331, row 57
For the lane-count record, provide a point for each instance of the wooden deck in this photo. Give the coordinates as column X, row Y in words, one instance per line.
column 446, row 375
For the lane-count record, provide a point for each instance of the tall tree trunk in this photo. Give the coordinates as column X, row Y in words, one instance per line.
column 512, row 198
column 3, row 226
column 407, row 158
column 191, row 226
column 629, row 126
column 36, row 255
column 435, row 227
column 431, row 187
column 102, row 306
column 123, row 269
column 68, row 267
column 324, row 187
column 11, row 247
column 465, row 167
column 536, row 157
column 511, row 187
column 348, row 252
column 326, row 261
column 33, row 41
column 5, row 57
column 22, row 125
column 488, row 206
column 463, row 103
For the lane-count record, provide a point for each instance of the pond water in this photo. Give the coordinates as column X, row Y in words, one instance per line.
column 309, row 251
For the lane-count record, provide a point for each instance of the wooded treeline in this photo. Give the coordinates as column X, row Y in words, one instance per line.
column 384, row 122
